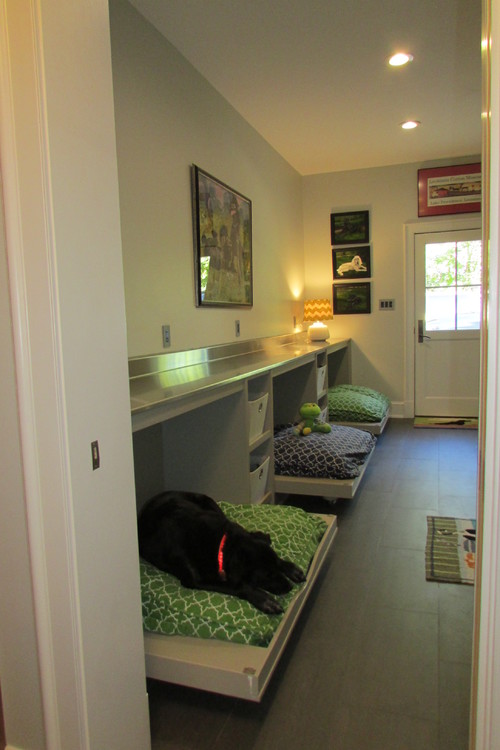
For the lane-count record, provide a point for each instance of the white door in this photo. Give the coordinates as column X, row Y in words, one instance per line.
column 447, row 323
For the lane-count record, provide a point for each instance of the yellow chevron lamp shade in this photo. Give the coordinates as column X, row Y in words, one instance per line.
column 315, row 311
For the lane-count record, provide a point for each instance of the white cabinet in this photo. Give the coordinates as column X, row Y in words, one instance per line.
column 260, row 438
column 203, row 420
column 321, row 371
column 259, row 478
column 322, row 385
column 257, row 410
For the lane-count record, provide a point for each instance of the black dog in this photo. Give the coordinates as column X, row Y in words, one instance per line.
column 189, row 536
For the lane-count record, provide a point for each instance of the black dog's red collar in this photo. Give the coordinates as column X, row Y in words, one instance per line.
column 220, row 558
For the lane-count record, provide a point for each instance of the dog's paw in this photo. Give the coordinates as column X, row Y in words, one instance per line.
column 270, row 606
column 263, row 601
column 298, row 575
column 293, row 572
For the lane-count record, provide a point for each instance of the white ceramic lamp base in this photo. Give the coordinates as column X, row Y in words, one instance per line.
column 318, row 332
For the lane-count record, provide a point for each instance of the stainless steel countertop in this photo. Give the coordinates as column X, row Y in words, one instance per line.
column 160, row 379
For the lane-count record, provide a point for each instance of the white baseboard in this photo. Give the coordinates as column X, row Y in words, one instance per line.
column 400, row 410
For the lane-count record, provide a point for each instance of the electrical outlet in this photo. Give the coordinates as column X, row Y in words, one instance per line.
column 165, row 333
column 237, row 327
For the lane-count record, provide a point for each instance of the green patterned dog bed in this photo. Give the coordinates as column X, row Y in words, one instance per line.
column 171, row 609
column 355, row 403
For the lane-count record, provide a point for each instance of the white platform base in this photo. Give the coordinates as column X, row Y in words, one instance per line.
column 333, row 489
column 230, row 668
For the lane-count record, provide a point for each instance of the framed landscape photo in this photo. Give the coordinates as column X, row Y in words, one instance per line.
column 222, row 229
column 352, row 299
column 351, row 262
column 449, row 190
column 350, row 228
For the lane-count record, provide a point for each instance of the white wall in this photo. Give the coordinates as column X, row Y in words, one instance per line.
column 67, row 321
column 390, row 194
column 21, row 695
column 167, row 118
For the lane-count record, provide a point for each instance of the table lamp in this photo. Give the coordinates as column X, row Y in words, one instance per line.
column 315, row 311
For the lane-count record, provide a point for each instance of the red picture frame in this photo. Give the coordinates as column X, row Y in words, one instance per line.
column 449, row 190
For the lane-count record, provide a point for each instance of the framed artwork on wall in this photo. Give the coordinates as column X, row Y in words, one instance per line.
column 222, row 228
column 352, row 299
column 351, row 262
column 449, row 190
column 350, row 228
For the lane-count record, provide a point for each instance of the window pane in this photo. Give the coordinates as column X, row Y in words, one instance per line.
column 440, row 264
column 468, row 308
column 440, row 309
column 469, row 263
column 453, row 285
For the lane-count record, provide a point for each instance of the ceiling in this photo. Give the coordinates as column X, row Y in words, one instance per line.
column 312, row 77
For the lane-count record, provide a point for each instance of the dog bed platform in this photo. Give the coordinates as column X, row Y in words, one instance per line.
column 358, row 406
column 330, row 465
column 233, row 668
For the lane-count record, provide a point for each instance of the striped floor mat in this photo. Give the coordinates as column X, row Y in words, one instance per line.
column 450, row 551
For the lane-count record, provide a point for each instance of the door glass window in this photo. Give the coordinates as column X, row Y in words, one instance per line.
column 453, row 286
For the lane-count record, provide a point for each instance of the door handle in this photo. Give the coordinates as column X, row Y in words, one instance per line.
column 421, row 335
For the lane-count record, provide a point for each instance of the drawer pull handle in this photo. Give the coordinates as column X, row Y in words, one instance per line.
column 261, row 472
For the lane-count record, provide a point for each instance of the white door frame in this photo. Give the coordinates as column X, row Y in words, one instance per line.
column 411, row 229
column 81, row 629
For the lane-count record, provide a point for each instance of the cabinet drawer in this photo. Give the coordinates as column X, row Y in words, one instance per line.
column 321, row 379
column 259, row 469
column 257, row 413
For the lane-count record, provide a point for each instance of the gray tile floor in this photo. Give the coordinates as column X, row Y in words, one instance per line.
column 381, row 658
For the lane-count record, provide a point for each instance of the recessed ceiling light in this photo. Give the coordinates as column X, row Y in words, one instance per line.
column 400, row 58
column 410, row 124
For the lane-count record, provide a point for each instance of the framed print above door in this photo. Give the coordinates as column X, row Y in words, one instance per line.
column 222, row 229
column 449, row 190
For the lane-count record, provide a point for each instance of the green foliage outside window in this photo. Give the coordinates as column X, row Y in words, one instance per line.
column 450, row 263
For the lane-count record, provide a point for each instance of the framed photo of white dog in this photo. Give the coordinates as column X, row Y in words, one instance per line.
column 352, row 262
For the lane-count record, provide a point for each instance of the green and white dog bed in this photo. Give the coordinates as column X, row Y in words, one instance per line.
column 171, row 609
column 358, row 406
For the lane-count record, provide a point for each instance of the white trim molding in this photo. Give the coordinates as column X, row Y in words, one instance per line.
column 485, row 733
column 34, row 309
column 62, row 226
